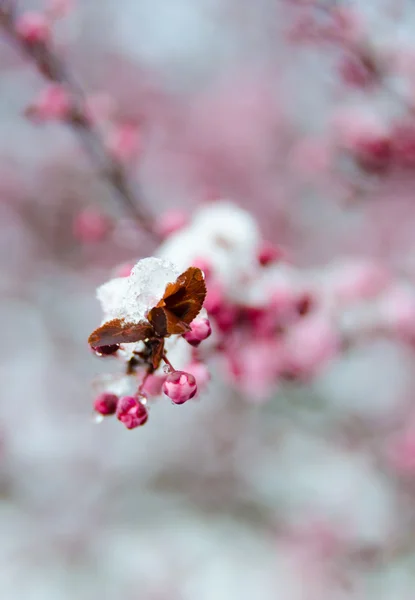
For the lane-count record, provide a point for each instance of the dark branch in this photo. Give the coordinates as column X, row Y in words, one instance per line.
column 53, row 69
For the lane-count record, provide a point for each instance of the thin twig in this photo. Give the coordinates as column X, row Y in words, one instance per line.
column 53, row 69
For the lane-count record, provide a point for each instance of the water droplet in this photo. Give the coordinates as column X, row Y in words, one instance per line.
column 97, row 418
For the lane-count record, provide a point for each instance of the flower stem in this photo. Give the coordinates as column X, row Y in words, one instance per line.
column 168, row 363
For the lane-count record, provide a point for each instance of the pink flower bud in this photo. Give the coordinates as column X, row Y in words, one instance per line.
column 153, row 385
column 106, row 404
column 359, row 72
column 131, row 412
column 180, row 386
column 366, row 138
column 170, row 222
column 268, row 253
column 54, row 102
column 226, row 318
column 199, row 330
column 374, row 154
column 310, row 344
column 124, row 142
column 214, row 299
column 90, row 226
column 254, row 366
column 200, row 372
column 204, row 265
column 33, row 27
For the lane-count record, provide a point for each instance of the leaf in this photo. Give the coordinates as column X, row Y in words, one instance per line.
column 181, row 303
column 118, row 331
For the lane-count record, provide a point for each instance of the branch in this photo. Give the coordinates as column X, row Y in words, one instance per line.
column 52, row 68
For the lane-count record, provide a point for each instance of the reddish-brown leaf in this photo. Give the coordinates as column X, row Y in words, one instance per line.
column 181, row 303
column 118, row 331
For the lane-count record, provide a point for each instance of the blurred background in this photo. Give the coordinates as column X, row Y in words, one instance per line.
column 302, row 113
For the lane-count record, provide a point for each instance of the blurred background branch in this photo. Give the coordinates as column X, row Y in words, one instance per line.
column 37, row 46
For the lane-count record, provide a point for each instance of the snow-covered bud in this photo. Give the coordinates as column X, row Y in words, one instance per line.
column 180, row 386
column 131, row 412
column 199, row 330
column 106, row 404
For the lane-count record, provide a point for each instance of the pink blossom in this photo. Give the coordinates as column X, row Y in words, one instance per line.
column 401, row 451
column 214, row 298
column 403, row 144
column 351, row 281
column 200, row 372
column 170, row 222
column 283, row 301
column 349, row 24
column 33, row 27
column 91, row 226
column 131, row 412
column 106, row 404
column 53, row 103
column 255, row 367
column 356, row 72
column 124, row 142
column 180, row 386
column 226, row 316
column 268, row 253
column 366, row 138
column 310, row 344
column 204, row 265
column 397, row 309
column 374, row 154
column 200, row 330
column 153, row 385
